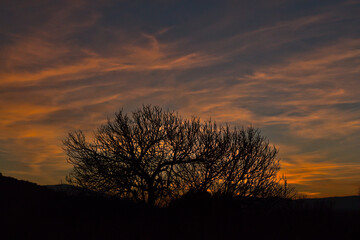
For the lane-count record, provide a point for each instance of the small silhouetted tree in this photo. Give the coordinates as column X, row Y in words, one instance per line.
column 154, row 156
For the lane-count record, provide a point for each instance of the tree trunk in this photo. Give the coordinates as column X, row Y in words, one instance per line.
column 151, row 197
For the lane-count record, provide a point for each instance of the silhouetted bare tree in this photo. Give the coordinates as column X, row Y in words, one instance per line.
column 155, row 155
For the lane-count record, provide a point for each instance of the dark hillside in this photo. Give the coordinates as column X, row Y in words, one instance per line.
column 18, row 196
column 30, row 211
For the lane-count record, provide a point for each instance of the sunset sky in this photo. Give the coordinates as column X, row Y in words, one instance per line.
column 290, row 68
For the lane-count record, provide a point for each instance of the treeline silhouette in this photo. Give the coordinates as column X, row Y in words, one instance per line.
column 30, row 211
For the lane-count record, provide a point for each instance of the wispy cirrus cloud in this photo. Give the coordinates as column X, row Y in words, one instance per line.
column 313, row 86
column 291, row 69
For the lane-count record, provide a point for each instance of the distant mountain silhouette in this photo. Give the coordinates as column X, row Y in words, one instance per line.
column 62, row 188
column 72, row 190
column 347, row 203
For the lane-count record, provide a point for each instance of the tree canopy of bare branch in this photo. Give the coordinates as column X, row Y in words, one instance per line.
column 154, row 156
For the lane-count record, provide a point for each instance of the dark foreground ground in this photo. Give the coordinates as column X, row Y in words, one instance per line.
column 29, row 211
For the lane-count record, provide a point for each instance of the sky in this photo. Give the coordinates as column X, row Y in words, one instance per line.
column 290, row 68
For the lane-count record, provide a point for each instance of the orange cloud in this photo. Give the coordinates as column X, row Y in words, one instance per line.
column 311, row 172
column 78, row 67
